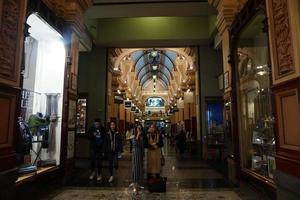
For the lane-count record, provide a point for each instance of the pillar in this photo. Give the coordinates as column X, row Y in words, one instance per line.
column 226, row 13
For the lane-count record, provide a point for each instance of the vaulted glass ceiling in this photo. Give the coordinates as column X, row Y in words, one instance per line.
column 154, row 62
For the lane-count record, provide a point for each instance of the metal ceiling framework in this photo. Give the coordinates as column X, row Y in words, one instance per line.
column 144, row 62
column 173, row 72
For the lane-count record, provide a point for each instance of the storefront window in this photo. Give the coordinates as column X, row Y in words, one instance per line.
column 257, row 143
column 40, row 121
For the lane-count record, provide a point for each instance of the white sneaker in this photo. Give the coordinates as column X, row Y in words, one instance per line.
column 131, row 185
column 111, row 178
column 99, row 177
column 92, row 175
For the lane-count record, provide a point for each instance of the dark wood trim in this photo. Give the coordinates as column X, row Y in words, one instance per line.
column 288, row 165
column 147, row 2
column 286, row 84
column 266, row 184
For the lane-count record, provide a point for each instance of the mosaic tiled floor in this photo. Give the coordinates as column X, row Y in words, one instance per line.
column 96, row 194
column 189, row 178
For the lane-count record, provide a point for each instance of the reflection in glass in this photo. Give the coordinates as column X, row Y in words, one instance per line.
column 254, row 95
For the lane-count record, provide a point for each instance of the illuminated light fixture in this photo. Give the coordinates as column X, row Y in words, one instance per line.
column 188, row 90
column 154, row 84
column 125, row 81
column 261, row 73
column 153, row 53
column 259, row 67
column 119, row 92
column 191, row 67
column 154, row 76
column 183, row 80
column 116, row 69
column 154, row 67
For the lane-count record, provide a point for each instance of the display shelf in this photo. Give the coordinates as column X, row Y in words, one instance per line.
column 41, row 171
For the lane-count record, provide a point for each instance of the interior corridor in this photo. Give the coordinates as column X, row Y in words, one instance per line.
column 78, row 76
column 188, row 178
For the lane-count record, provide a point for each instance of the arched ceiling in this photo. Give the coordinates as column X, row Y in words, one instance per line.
column 144, row 72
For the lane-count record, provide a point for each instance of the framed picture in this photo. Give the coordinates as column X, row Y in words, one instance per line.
column 226, row 79
column 71, row 143
column 72, row 114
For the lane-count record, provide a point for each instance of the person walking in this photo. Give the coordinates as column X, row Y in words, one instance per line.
column 137, row 157
column 129, row 134
column 97, row 145
column 154, row 143
column 113, row 148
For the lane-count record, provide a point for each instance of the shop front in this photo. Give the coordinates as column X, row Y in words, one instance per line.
column 251, row 69
column 39, row 57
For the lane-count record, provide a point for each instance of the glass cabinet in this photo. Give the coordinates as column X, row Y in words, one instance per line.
column 253, row 81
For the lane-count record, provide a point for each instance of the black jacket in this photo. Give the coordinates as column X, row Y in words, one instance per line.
column 93, row 143
column 116, row 145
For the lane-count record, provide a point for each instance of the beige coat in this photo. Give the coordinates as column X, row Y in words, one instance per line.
column 154, row 157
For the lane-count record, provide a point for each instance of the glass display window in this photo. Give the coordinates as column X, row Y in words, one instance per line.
column 253, row 75
column 40, row 121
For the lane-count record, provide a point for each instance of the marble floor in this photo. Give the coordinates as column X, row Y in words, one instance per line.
column 187, row 178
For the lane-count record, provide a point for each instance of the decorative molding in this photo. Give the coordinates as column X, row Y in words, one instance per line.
column 12, row 15
column 282, row 38
column 71, row 11
column 287, row 128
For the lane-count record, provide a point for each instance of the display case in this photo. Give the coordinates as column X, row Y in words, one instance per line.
column 254, row 105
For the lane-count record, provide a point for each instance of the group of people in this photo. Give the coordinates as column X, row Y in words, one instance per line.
column 102, row 144
column 110, row 144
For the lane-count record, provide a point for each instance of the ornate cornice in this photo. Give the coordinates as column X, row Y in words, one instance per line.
column 71, row 11
column 226, row 12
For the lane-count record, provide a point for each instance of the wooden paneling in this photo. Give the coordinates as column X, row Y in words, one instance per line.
column 7, row 119
column 12, row 14
column 287, row 115
column 287, row 106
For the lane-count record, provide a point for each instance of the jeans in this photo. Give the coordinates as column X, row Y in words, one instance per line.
column 113, row 162
column 96, row 160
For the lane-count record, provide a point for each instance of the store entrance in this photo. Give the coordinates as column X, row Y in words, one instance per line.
column 40, row 122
